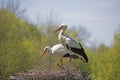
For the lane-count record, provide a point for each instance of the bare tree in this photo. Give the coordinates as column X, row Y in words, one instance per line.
column 13, row 6
column 80, row 33
column 52, row 20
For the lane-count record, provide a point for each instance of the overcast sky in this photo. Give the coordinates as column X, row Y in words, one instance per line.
column 100, row 17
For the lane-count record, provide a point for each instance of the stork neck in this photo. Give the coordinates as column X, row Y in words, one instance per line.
column 62, row 32
column 61, row 36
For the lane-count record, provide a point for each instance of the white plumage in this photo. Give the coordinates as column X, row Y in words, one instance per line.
column 72, row 46
column 57, row 50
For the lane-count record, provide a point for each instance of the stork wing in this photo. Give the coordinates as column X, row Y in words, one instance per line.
column 74, row 56
column 80, row 52
column 69, row 42
column 75, row 47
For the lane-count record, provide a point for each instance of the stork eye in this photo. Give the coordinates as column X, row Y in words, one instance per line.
column 45, row 49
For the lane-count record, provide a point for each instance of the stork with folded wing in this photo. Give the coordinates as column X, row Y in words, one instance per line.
column 58, row 50
column 72, row 46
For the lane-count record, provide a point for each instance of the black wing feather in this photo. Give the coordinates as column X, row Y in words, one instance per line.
column 73, row 56
column 66, row 55
column 67, row 46
column 80, row 52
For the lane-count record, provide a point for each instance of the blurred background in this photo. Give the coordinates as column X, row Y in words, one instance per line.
column 26, row 27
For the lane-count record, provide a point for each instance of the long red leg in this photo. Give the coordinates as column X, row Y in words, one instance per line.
column 60, row 66
column 69, row 59
column 61, row 63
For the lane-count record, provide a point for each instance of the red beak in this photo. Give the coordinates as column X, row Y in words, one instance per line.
column 43, row 53
column 59, row 28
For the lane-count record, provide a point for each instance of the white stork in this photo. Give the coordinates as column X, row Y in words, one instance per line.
column 70, row 44
column 58, row 50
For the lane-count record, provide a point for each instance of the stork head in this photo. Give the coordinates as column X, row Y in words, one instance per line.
column 46, row 50
column 62, row 26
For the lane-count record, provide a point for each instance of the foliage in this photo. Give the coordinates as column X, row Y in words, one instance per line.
column 19, row 43
column 105, row 62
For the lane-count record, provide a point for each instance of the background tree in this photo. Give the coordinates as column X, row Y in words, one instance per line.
column 19, row 44
column 14, row 6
